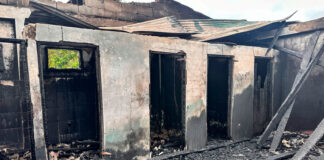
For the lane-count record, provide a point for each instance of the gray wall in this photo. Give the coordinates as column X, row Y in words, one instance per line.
column 125, row 79
column 14, row 114
column 309, row 108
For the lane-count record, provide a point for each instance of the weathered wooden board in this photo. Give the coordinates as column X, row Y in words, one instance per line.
column 290, row 98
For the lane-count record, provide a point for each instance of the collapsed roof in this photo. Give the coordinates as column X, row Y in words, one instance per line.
column 220, row 30
column 185, row 23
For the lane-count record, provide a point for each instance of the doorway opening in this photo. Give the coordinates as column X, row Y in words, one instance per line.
column 262, row 101
column 219, row 74
column 167, row 101
column 70, row 96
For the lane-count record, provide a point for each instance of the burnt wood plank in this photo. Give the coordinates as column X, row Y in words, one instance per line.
column 275, row 38
column 278, row 33
column 295, row 53
column 311, row 141
column 306, row 59
column 290, row 98
column 282, row 156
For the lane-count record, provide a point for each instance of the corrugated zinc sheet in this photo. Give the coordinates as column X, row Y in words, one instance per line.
column 199, row 29
column 213, row 29
column 161, row 25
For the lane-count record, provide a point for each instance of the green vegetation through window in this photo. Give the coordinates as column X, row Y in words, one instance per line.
column 63, row 59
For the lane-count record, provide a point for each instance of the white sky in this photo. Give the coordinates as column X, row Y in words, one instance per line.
column 255, row 9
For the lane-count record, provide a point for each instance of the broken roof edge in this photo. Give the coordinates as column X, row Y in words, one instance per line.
column 170, row 25
column 246, row 28
column 297, row 28
column 56, row 12
column 203, row 30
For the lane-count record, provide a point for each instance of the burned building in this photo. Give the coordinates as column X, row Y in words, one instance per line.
column 179, row 77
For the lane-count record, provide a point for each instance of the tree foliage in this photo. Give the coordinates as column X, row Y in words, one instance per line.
column 63, row 59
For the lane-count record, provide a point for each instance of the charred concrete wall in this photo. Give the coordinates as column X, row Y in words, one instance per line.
column 15, row 115
column 125, row 80
column 308, row 110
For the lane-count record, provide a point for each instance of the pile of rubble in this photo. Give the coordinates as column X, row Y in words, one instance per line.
column 220, row 149
column 168, row 141
column 293, row 141
column 79, row 150
column 13, row 154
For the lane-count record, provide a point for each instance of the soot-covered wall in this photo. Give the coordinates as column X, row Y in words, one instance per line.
column 125, row 81
column 15, row 115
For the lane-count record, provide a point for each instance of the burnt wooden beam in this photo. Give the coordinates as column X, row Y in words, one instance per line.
column 275, row 38
column 306, row 59
column 291, row 96
column 289, row 51
column 12, row 40
column 311, row 141
column 282, row 156
column 278, row 32
column 295, row 54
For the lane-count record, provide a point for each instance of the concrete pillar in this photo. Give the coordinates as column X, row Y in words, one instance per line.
column 36, row 101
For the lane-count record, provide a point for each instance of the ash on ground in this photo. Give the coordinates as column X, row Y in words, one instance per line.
column 168, row 141
column 80, row 150
column 247, row 150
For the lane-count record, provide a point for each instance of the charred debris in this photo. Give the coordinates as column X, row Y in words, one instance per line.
column 103, row 79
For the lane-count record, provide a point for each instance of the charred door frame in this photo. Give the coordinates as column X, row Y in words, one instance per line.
column 230, row 89
column 98, row 80
column 25, row 87
column 270, row 71
column 183, row 94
